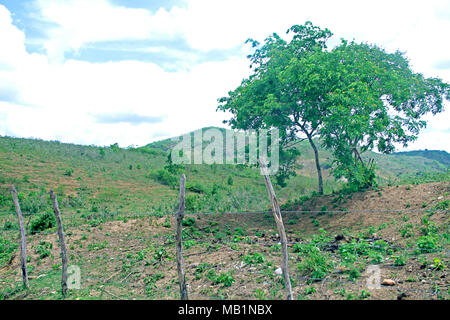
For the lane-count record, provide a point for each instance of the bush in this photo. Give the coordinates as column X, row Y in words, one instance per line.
column 189, row 221
column 42, row 222
column 44, row 249
column 315, row 263
column 196, row 187
column 254, row 258
column 165, row 177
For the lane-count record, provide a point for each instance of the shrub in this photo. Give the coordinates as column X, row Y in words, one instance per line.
column 426, row 244
column 315, row 263
column 44, row 249
column 254, row 258
column 68, row 172
column 189, row 221
column 42, row 222
column 165, row 177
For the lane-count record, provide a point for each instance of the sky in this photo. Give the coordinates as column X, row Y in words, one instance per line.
column 98, row 72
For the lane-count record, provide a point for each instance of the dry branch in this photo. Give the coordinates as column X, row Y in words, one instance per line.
column 62, row 243
column 280, row 226
column 179, row 240
column 23, row 244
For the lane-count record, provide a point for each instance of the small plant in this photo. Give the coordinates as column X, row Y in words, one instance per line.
column 189, row 221
column 426, row 244
column 309, row 290
column 43, row 249
column 315, row 263
column 200, row 269
column 260, row 294
column 364, row 294
column 399, row 261
column 224, row 278
column 7, row 249
column 254, row 258
column 68, row 172
column 167, row 223
column 160, row 254
column 438, row 264
column 150, row 283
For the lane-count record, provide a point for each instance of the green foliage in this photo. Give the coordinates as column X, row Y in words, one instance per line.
column 43, row 249
column 68, row 172
column 150, row 283
column 189, row 221
column 314, row 262
column 7, row 249
column 357, row 97
column 42, row 222
column 254, row 258
column 224, row 278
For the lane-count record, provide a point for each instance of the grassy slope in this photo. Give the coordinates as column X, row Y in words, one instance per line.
column 227, row 256
column 90, row 179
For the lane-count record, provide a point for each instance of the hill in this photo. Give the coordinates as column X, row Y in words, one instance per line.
column 118, row 206
column 112, row 179
column 438, row 155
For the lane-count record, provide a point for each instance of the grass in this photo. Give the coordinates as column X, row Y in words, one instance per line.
column 118, row 221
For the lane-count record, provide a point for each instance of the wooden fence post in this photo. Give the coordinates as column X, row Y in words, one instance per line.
column 179, row 240
column 23, row 242
column 62, row 243
column 280, row 226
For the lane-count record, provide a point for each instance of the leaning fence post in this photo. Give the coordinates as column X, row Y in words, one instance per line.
column 23, row 243
column 280, row 226
column 62, row 243
column 179, row 240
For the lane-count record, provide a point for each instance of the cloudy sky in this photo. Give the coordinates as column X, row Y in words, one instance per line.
column 135, row 71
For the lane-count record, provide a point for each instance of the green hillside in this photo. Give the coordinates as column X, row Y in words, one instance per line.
column 112, row 179
column 438, row 155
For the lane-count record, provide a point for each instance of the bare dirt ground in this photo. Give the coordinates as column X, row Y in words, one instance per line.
column 134, row 258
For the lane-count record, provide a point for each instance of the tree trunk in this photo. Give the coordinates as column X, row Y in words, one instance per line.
column 179, row 239
column 280, row 226
column 62, row 243
column 319, row 170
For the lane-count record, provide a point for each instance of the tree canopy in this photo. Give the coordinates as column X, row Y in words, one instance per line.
column 355, row 97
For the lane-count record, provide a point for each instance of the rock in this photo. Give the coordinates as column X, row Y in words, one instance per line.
column 341, row 269
column 279, row 271
column 388, row 282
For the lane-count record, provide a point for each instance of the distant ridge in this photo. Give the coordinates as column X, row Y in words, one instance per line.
column 438, row 155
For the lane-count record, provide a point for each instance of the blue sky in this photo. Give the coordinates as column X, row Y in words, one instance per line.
column 106, row 71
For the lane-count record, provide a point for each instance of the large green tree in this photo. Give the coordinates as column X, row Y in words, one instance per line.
column 355, row 97
column 290, row 101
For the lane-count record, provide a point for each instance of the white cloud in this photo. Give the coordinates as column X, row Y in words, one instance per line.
column 66, row 94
